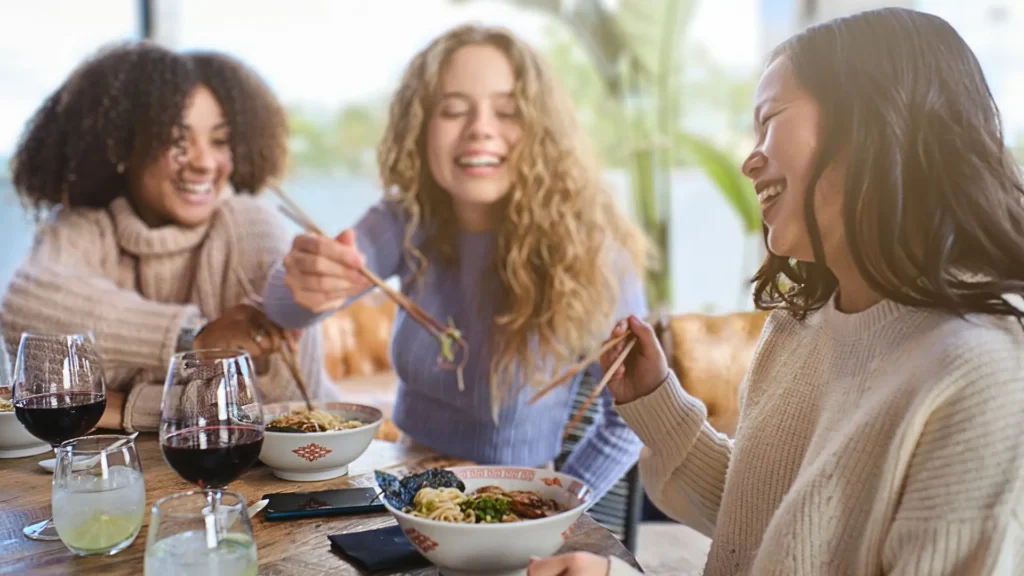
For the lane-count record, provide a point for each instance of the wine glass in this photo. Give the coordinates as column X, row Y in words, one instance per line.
column 211, row 416
column 59, row 394
column 5, row 368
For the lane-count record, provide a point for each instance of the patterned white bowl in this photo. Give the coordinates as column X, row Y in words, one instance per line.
column 498, row 549
column 15, row 441
column 318, row 455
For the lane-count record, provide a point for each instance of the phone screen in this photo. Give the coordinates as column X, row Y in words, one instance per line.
column 323, row 503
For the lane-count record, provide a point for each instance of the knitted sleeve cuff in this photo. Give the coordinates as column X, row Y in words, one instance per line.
column 666, row 418
column 142, row 408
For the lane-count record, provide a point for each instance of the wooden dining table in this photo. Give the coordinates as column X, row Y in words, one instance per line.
column 294, row 547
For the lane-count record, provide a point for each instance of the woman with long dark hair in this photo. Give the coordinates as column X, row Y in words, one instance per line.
column 882, row 420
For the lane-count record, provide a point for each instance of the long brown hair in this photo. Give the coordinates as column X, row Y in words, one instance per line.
column 933, row 208
column 563, row 246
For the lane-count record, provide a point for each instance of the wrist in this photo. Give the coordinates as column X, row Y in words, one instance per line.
column 189, row 332
column 113, row 412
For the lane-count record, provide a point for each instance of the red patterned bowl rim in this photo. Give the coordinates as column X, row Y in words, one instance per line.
column 373, row 415
column 577, row 488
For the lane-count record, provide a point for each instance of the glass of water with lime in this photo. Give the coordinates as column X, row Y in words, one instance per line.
column 201, row 532
column 99, row 497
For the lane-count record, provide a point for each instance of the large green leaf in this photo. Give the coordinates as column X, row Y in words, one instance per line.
column 653, row 32
column 723, row 171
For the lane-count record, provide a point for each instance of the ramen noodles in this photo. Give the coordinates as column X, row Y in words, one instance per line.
column 487, row 505
column 304, row 420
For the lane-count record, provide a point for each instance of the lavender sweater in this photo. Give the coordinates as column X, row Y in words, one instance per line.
column 429, row 406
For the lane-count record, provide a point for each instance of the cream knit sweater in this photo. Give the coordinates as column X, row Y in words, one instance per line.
column 885, row 442
column 134, row 286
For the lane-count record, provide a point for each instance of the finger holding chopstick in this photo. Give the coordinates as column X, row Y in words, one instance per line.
column 322, row 271
column 642, row 370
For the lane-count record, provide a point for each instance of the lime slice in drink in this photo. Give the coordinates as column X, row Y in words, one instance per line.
column 102, row 531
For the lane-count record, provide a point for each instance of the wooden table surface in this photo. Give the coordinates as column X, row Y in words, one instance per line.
column 294, row 547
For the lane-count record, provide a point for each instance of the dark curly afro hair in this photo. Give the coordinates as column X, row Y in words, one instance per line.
column 120, row 108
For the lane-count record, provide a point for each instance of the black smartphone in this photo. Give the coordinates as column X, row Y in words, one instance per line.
column 286, row 505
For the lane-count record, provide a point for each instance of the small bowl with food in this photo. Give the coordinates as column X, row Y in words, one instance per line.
column 15, row 441
column 476, row 520
column 305, row 446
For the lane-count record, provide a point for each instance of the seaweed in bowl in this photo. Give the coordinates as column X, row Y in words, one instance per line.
column 400, row 493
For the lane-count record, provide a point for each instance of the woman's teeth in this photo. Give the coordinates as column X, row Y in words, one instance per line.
column 770, row 192
column 191, row 188
column 478, row 160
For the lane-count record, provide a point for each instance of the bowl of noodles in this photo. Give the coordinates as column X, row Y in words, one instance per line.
column 475, row 520
column 305, row 446
column 15, row 441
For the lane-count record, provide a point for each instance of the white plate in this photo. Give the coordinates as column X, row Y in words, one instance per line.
column 23, row 452
column 50, row 463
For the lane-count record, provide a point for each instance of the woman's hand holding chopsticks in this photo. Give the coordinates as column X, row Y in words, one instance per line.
column 644, row 368
column 323, row 272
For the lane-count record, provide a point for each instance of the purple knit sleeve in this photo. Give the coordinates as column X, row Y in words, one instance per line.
column 379, row 235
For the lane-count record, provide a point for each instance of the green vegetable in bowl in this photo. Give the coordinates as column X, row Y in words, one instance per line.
column 487, row 508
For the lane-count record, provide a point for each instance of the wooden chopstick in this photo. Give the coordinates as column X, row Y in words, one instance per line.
column 601, row 385
column 576, row 368
column 288, row 353
column 294, row 212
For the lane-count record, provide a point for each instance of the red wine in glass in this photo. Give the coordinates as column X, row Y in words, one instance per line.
column 55, row 418
column 211, row 417
column 212, row 457
column 59, row 394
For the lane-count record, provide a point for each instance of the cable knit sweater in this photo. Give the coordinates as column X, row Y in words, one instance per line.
column 885, row 442
column 134, row 286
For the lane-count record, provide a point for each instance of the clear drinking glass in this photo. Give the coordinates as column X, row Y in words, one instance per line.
column 189, row 535
column 99, row 497
column 211, row 423
column 59, row 394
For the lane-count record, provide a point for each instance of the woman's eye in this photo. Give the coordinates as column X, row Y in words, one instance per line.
column 453, row 112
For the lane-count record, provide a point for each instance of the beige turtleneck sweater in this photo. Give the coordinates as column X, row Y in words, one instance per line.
column 885, row 442
column 105, row 270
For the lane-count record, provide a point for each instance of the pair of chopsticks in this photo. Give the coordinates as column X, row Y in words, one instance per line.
column 294, row 212
column 288, row 349
column 630, row 342
column 575, row 369
column 288, row 353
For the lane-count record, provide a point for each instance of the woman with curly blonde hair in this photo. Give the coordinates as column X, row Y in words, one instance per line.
column 497, row 219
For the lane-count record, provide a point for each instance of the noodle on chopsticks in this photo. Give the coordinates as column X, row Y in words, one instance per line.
column 449, row 337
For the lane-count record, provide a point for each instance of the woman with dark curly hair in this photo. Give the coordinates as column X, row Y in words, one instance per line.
column 145, row 163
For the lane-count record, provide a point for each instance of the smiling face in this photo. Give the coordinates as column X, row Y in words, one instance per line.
column 788, row 123
column 182, row 189
column 473, row 129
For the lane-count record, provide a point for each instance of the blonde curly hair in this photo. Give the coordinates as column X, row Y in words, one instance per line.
column 559, row 297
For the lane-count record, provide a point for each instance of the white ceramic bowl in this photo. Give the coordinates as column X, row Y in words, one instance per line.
column 498, row 549
column 318, row 455
column 15, row 441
